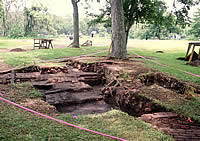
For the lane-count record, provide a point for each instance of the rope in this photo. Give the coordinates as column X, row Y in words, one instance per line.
column 63, row 122
column 163, row 64
column 52, row 60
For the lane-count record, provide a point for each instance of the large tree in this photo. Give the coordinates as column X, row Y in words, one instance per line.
column 145, row 11
column 118, row 30
column 134, row 11
column 75, row 42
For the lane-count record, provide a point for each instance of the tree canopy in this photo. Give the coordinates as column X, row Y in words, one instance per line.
column 37, row 19
column 135, row 11
column 195, row 26
column 148, row 12
column 1, row 9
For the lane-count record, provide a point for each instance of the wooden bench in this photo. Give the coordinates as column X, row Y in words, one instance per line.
column 189, row 47
column 43, row 43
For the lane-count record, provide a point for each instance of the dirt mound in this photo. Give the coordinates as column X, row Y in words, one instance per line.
column 195, row 63
column 195, row 57
column 159, row 51
column 17, row 50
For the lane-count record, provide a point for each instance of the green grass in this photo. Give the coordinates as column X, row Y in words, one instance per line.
column 16, row 58
column 10, row 44
column 187, row 108
column 180, row 105
column 172, row 51
column 16, row 124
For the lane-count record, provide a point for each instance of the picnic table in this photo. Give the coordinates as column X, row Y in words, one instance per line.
column 43, row 43
column 194, row 44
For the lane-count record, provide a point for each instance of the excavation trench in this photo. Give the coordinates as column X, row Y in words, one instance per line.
column 80, row 88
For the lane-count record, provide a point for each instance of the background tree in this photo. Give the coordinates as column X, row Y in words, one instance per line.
column 182, row 14
column 118, row 30
column 7, row 4
column 62, row 25
column 75, row 42
column 12, row 17
column 37, row 20
column 1, row 9
column 135, row 12
column 195, row 26
column 146, row 11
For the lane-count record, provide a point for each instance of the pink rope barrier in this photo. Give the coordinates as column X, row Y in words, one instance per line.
column 63, row 122
column 163, row 64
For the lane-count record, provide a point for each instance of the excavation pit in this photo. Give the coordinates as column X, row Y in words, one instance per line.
column 90, row 88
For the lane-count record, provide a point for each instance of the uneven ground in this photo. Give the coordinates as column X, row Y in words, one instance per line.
column 75, row 89
column 157, row 98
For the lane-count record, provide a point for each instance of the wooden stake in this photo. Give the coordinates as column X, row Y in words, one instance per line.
column 12, row 77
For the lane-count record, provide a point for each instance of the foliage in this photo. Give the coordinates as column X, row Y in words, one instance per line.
column 16, row 31
column 152, row 31
column 146, row 11
column 37, row 20
column 195, row 26
column 1, row 9
column 152, row 14
column 134, row 12
column 181, row 14
column 62, row 25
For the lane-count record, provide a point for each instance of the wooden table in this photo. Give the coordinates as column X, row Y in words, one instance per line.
column 189, row 47
column 43, row 43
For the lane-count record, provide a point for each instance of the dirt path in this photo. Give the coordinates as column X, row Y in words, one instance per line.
column 4, row 66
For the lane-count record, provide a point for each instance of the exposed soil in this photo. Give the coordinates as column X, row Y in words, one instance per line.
column 70, row 90
column 134, row 95
column 171, row 124
column 4, row 66
column 195, row 61
column 17, row 50
column 82, row 88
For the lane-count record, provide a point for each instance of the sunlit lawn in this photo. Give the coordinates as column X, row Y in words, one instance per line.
column 16, row 124
column 172, row 49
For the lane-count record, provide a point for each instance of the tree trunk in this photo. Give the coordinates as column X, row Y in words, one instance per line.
column 76, row 24
column 126, row 34
column 119, row 50
column 4, row 26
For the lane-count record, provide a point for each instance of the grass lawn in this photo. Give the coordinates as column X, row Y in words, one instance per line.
column 172, row 50
column 16, row 124
column 10, row 44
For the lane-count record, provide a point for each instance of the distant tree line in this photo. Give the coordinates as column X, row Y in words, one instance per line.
column 18, row 21
column 149, row 19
